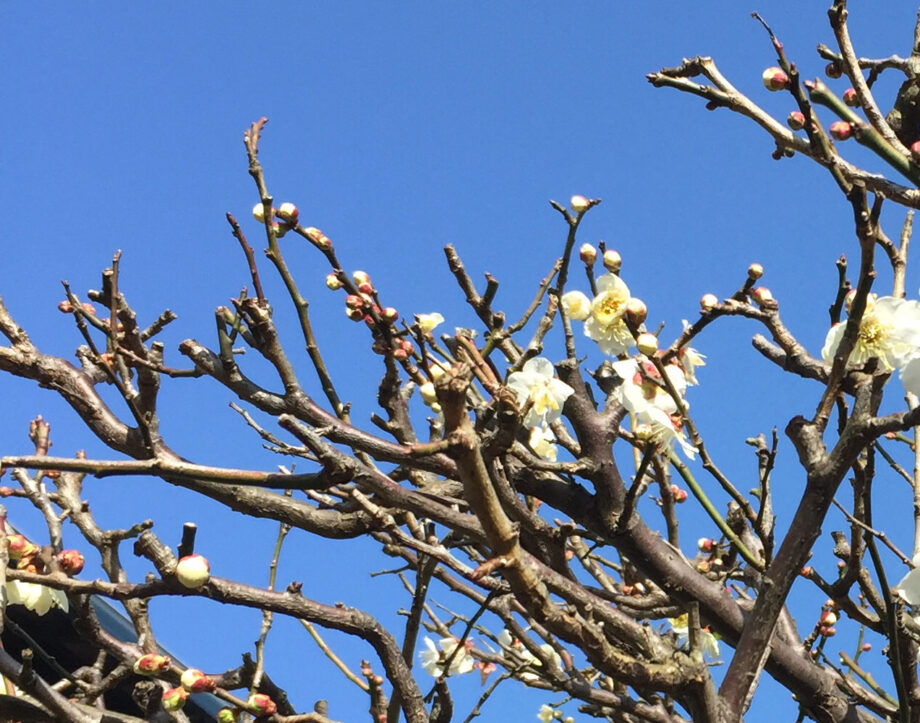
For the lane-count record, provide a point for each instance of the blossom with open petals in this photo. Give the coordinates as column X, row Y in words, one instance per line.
column 606, row 325
column 543, row 442
column 536, row 383
column 547, row 713
column 576, row 305
column 650, row 402
column 428, row 322
column 889, row 331
column 709, row 643
column 689, row 359
column 39, row 598
column 509, row 644
column 434, row 657
column 909, row 587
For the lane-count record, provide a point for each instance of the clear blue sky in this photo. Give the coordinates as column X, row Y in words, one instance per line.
column 398, row 128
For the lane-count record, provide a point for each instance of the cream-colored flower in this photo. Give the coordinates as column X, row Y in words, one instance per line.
column 889, row 331
column 536, row 383
column 709, row 643
column 606, row 325
column 428, row 322
column 689, row 359
column 576, row 305
column 543, row 442
column 547, row 713
column 909, row 587
column 433, row 658
column 39, row 598
column 651, row 404
column 522, row 654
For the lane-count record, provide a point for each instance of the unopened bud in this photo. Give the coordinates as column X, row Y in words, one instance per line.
column 841, row 130
column 806, row 571
column 389, row 315
column 261, row 704
column 21, row 547
column 65, row 307
column 828, row 618
column 151, row 664
column 703, row 566
column 612, row 261
column 355, row 314
column 755, row 271
column 636, row 311
column 647, row 343
column 915, row 151
column 288, row 212
column 850, row 97
column 827, row 631
column 796, row 120
column 762, row 295
column 679, row 495
column 320, row 240
column 708, row 302
column 833, row 70
column 174, row 699
column 194, row 681
column 258, row 212
column 193, row 571
column 71, row 561
column 353, row 301
column 579, row 204
column 588, row 254
column 280, row 229
column 361, row 277
column 866, row 647
column 226, row 715
column 775, row 79
column 706, row 544
column 333, row 282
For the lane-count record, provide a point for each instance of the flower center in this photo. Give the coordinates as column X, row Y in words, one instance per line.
column 543, row 399
column 608, row 307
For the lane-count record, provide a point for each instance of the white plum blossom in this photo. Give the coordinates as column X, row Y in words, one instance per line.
column 547, row 713
column 543, row 442
column 889, row 331
column 651, row 404
column 39, row 598
column 434, row 657
column 909, row 587
column 709, row 643
column 576, row 305
column 536, row 383
column 606, row 325
column 508, row 643
column 428, row 322
column 689, row 359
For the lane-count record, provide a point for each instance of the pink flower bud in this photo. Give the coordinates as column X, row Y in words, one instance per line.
column 353, row 301
column 288, row 212
column 762, row 295
column 390, row 315
column 755, row 271
column 4, row 490
column 806, row 571
column 678, row 494
column 588, row 254
column 174, row 699
column 706, row 544
column 193, row 571
column 194, row 681
column 833, row 69
column 828, row 618
column 775, row 79
column 71, row 561
column 827, row 631
column 366, row 289
column 333, row 282
column 355, row 314
column 708, row 302
column 915, row 151
column 636, row 311
column 580, row 204
column 612, row 261
column 850, row 97
column 647, row 343
column 151, row 664
column 261, row 704
column 866, row 647
column 280, row 229
column 361, row 277
column 21, row 547
column 796, row 120
column 319, row 239
column 65, row 307
column 841, row 130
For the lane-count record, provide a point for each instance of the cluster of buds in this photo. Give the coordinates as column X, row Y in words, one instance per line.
column 193, row 571
column 636, row 589
column 400, row 348
column 827, row 620
column 287, row 215
column 152, row 664
column 775, row 79
column 67, row 307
